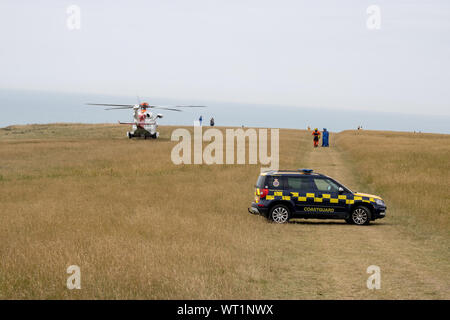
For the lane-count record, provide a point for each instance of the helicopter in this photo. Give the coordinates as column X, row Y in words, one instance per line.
column 144, row 125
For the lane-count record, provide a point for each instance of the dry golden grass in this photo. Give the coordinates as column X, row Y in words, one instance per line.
column 140, row 227
column 414, row 262
column 411, row 169
column 137, row 225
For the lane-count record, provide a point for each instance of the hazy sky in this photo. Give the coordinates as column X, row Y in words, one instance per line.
column 293, row 53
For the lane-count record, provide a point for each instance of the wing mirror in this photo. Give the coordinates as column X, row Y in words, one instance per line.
column 341, row 189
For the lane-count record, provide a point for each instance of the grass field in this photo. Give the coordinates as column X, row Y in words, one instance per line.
column 141, row 227
column 411, row 169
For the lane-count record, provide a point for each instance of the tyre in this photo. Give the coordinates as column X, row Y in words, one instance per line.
column 360, row 216
column 279, row 214
column 349, row 220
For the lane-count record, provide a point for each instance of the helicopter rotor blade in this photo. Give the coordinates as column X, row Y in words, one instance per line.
column 119, row 108
column 130, row 106
column 164, row 108
column 190, row 106
column 111, row 105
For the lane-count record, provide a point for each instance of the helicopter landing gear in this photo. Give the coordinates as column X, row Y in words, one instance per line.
column 153, row 136
column 145, row 135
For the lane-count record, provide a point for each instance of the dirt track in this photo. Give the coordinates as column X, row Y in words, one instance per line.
column 333, row 256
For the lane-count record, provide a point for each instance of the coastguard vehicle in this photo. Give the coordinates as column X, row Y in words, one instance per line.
column 284, row 194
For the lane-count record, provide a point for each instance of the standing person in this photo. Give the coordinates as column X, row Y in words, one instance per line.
column 316, row 134
column 325, row 136
column 200, row 120
column 211, row 122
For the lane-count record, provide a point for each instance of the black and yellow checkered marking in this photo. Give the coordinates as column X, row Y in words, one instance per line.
column 323, row 198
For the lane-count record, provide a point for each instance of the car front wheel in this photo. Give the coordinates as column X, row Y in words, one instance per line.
column 279, row 214
column 360, row 216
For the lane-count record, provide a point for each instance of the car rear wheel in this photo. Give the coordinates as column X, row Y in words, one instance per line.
column 279, row 214
column 360, row 216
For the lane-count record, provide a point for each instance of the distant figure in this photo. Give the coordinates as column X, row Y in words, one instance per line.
column 325, row 136
column 359, row 127
column 309, row 128
column 211, row 122
column 200, row 120
column 316, row 134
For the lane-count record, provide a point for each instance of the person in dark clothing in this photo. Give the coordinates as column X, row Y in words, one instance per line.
column 325, row 136
column 211, row 122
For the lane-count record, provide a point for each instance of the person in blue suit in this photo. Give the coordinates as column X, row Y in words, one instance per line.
column 325, row 136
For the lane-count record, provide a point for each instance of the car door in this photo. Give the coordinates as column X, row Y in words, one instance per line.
column 299, row 188
column 326, row 200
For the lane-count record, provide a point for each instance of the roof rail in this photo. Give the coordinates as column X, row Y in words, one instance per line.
column 305, row 171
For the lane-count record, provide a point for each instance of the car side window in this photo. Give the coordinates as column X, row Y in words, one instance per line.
column 260, row 182
column 274, row 182
column 325, row 185
column 298, row 183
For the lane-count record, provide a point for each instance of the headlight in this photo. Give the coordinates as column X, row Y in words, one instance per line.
column 379, row 202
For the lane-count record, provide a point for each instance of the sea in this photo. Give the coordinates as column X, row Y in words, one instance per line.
column 43, row 107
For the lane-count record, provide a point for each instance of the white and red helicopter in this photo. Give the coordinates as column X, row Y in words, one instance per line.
column 144, row 125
